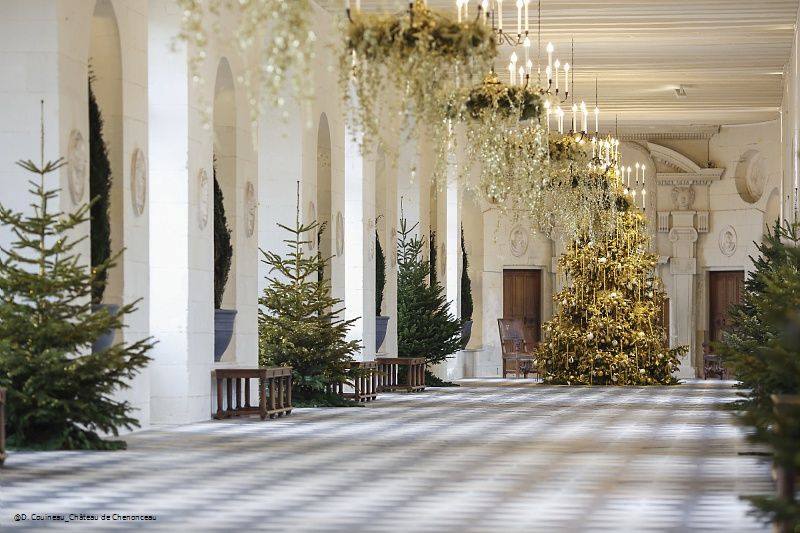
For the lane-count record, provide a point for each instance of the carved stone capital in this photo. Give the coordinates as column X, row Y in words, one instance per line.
column 683, row 234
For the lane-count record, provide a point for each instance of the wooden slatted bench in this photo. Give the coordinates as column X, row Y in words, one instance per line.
column 2, row 426
column 274, row 391
column 388, row 374
column 364, row 375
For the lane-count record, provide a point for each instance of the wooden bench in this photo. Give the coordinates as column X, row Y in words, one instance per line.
column 364, row 375
column 274, row 391
column 389, row 371
column 2, row 426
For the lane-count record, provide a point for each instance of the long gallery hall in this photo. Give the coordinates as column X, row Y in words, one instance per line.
column 576, row 224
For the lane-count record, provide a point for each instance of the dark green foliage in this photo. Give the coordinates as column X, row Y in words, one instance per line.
column 432, row 380
column 100, row 192
column 298, row 319
column 380, row 274
column 60, row 392
column 432, row 257
column 223, row 249
column 466, row 283
column 761, row 346
column 325, row 400
column 425, row 327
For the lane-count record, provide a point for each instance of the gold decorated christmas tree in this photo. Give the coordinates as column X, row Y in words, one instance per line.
column 607, row 329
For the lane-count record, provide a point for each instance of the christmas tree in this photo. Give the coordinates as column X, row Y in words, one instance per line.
column 60, row 392
column 100, row 191
column 298, row 319
column 607, row 329
column 425, row 326
column 761, row 347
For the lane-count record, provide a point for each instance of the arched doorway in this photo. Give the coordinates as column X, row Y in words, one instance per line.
column 106, row 147
column 225, row 178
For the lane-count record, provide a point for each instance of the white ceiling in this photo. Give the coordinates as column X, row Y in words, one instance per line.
column 728, row 54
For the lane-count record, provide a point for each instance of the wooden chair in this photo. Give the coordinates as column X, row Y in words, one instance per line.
column 517, row 346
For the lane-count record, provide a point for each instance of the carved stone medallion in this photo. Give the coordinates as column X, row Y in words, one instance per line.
column 518, row 241
column 203, row 198
column 682, row 198
column 727, row 241
column 77, row 166
column 138, row 181
column 251, row 207
column 339, row 233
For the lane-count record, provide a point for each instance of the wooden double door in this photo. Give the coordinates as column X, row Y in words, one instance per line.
column 725, row 289
column 522, row 298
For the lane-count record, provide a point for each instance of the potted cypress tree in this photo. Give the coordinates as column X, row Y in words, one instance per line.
column 381, row 321
column 100, row 225
column 466, row 294
column 223, row 253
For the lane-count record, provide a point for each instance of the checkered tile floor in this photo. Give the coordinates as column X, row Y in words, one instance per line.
column 492, row 455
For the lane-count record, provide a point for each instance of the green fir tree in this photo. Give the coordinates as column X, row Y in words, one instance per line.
column 223, row 249
column 425, row 326
column 380, row 274
column 100, row 191
column 60, row 392
column 466, row 283
column 761, row 347
column 299, row 322
column 432, row 258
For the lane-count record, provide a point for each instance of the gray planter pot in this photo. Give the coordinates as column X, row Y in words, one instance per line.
column 381, row 324
column 106, row 340
column 223, row 330
column 466, row 332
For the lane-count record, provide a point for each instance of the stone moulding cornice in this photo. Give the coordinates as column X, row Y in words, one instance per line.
column 687, row 172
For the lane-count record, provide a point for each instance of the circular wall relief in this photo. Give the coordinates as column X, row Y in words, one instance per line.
column 751, row 176
column 138, row 181
column 339, row 233
column 77, row 165
column 518, row 241
column 312, row 216
column 203, row 198
column 727, row 241
column 250, row 206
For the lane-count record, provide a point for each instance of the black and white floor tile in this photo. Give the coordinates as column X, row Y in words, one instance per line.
column 491, row 455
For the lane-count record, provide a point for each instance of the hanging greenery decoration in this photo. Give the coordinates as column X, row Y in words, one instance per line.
column 273, row 38
column 414, row 63
column 494, row 97
column 506, row 144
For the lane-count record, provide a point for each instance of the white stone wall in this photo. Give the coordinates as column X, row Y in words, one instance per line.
column 44, row 55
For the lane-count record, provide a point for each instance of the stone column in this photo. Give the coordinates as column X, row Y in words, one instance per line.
column 683, row 267
column 355, row 236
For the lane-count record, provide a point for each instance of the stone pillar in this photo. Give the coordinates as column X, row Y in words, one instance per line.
column 683, row 267
column 182, row 219
column 355, row 236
